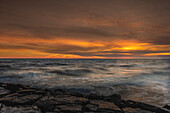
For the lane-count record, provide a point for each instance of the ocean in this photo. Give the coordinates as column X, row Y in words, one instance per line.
column 144, row 80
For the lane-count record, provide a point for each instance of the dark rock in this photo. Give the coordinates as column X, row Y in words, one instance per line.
column 22, row 97
column 90, row 107
column 3, row 92
column 167, row 107
column 116, row 99
column 69, row 108
column 11, row 87
column 75, row 94
column 95, row 97
column 18, row 109
column 46, row 106
column 17, row 98
column 52, row 102
column 1, row 106
column 143, row 106
column 135, row 110
column 107, row 110
column 103, row 104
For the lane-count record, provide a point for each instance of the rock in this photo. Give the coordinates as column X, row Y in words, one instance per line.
column 63, row 99
column 90, row 107
column 69, row 108
column 95, row 97
column 1, row 106
column 143, row 106
column 18, row 98
column 19, row 109
column 46, row 106
column 59, row 92
column 167, row 107
column 116, row 99
column 75, row 94
column 107, row 110
column 11, row 87
column 51, row 102
column 105, row 105
column 34, row 107
column 135, row 110
column 3, row 92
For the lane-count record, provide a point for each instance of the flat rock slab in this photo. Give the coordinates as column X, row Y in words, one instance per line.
column 19, row 109
column 130, row 110
column 23, row 97
column 167, row 106
column 68, row 108
column 103, row 104
column 17, row 99
column 3, row 91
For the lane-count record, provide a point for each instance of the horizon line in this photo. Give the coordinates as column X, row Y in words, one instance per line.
column 87, row 58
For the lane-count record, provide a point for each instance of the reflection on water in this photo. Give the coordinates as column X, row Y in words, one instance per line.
column 143, row 80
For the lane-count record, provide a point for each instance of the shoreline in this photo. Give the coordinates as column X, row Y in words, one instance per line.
column 17, row 98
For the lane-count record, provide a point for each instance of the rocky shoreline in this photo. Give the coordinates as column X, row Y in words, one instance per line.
column 15, row 98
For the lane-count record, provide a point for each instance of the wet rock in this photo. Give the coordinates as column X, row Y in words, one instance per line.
column 62, row 100
column 143, row 106
column 96, row 97
column 69, row 108
column 70, row 99
column 49, row 103
column 107, row 110
column 19, row 109
column 19, row 99
column 74, row 94
column 11, row 87
column 90, row 107
column 167, row 106
column 59, row 92
column 103, row 104
column 116, row 99
column 3, row 91
column 1, row 106
column 46, row 106
column 135, row 110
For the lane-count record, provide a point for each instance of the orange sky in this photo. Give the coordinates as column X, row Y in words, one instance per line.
column 70, row 48
column 85, row 29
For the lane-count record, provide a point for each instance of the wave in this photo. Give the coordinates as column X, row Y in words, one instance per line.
column 125, row 65
column 132, row 65
column 103, row 69
column 5, row 67
column 49, row 64
column 12, row 76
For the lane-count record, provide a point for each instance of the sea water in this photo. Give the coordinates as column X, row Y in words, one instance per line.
column 144, row 80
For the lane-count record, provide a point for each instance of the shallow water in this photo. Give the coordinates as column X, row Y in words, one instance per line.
column 141, row 80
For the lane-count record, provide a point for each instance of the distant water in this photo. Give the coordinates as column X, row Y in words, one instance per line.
column 141, row 80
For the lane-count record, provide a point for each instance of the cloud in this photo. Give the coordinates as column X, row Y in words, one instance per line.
column 162, row 40
column 53, row 32
column 108, row 28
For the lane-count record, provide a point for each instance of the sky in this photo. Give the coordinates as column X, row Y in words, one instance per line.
column 113, row 29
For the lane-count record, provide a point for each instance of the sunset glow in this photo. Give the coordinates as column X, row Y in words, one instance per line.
column 86, row 31
column 72, row 48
